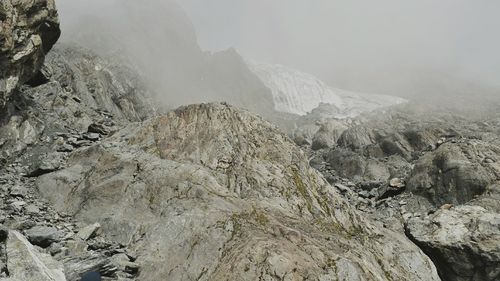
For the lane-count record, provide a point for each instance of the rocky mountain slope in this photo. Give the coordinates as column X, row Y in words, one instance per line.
column 172, row 62
column 203, row 181
column 175, row 66
column 93, row 179
column 434, row 176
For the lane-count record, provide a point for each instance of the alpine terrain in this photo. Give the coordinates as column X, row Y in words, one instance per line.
column 270, row 175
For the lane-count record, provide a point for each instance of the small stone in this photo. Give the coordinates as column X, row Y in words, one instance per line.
column 77, row 247
column 65, row 148
column 72, row 140
column 342, row 188
column 32, row 209
column 55, row 249
column 446, row 207
column 98, row 129
column 364, row 194
column 397, row 183
column 407, row 216
column 441, row 141
column 17, row 205
column 488, row 161
column 43, row 236
column 89, row 231
column 92, row 136
column 18, row 191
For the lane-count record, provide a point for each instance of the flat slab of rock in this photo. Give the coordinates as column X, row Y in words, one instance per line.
column 25, row 263
column 89, row 231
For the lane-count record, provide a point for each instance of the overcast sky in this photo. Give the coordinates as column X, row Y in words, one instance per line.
column 359, row 43
column 384, row 46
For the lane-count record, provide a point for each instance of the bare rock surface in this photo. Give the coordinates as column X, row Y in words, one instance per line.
column 433, row 176
column 233, row 199
column 28, row 30
column 456, row 172
column 26, row 263
column 462, row 241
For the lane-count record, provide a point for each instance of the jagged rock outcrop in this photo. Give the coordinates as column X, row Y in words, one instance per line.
column 462, row 241
column 172, row 61
column 233, row 199
column 28, row 30
column 84, row 95
column 414, row 171
column 85, row 99
column 456, row 172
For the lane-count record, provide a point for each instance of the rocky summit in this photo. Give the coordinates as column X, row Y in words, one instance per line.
column 96, row 181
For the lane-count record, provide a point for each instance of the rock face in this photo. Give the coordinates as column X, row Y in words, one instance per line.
column 462, row 241
column 84, row 97
column 28, row 30
column 25, row 263
column 172, row 62
column 231, row 197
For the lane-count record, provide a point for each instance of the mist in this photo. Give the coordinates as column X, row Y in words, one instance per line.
column 411, row 49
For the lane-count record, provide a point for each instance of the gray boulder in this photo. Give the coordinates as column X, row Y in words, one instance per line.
column 328, row 134
column 43, row 236
column 463, row 242
column 25, row 263
column 455, row 173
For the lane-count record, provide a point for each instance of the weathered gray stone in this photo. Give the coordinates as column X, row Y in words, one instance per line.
column 328, row 134
column 463, row 242
column 87, row 232
column 28, row 30
column 43, row 236
column 25, row 263
column 455, row 172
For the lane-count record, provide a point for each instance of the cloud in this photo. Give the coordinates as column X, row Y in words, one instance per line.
column 400, row 47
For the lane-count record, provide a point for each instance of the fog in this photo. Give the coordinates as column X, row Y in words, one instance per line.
column 367, row 45
column 399, row 47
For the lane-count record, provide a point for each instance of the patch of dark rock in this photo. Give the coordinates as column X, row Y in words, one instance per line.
column 41, row 77
column 98, row 129
column 4, row 233
column 92, row 276
column 42, row 170
column 43, row 236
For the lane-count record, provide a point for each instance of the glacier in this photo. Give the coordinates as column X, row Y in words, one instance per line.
column 300, row 93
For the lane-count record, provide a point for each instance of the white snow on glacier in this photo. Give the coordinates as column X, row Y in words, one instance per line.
column 299, row 93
